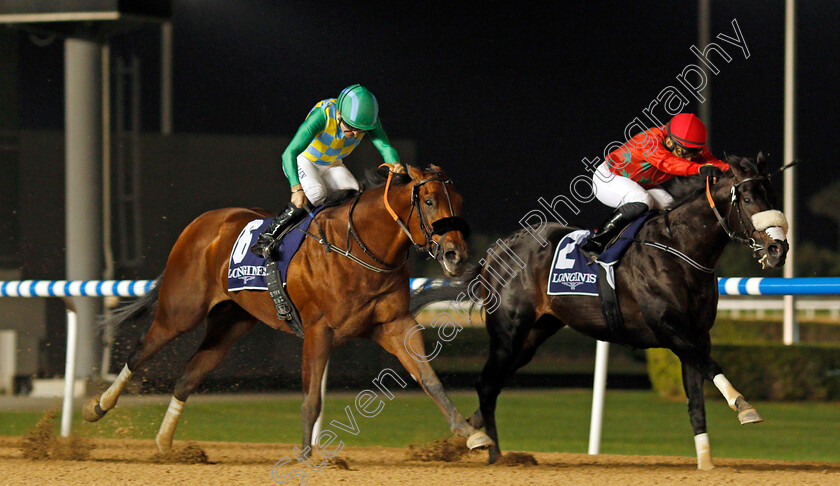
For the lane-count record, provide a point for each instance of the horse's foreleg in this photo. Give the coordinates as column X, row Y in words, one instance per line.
column 507, row 355
column 693, row 385
column 712, row 371
column 399, row 336
column 747, row 414
column 698, row 355
column 316, row 352
column 224, row 327
column 490, row 385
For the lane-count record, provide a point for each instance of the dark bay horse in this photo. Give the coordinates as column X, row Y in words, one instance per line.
column 359, row 290
column 666, row 301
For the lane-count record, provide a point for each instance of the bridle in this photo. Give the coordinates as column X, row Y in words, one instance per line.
column 438, row 227
column 746, row 226
column 734, row 202
column 432, row 248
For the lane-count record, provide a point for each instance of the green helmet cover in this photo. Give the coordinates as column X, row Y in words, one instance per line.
column 358, row 107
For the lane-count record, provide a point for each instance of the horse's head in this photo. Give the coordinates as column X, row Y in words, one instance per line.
column 754, row 210
column 438, row 221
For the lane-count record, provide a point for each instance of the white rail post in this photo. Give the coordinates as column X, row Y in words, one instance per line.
column 69, row 375
column 790, row 324
column 599, row 386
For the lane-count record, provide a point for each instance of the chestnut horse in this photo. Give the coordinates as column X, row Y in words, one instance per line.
column 340, row 295
column 665, row 284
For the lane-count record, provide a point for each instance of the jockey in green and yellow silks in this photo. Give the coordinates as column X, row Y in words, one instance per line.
column 313, row 160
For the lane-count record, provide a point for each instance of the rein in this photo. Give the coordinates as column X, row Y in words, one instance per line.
column 749, row 241
column 432, row 247
column 329, row 247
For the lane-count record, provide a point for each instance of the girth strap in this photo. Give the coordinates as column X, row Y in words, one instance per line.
column 610, row 305
column 285, row 309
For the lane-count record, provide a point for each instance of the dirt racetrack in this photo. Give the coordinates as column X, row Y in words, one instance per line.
column 117, row 461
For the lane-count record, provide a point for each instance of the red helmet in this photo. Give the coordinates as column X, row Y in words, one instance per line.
column 687, row 131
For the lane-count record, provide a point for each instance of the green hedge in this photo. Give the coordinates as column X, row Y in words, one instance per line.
column 744, row 331
column 759, row 372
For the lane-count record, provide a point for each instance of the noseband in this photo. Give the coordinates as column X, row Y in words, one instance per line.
column 734, row 202
column 438, row 227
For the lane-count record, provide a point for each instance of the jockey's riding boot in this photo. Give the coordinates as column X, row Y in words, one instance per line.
column 617, row 221
column 291, row 215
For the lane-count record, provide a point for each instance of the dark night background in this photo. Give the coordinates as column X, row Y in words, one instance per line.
column 507, row 97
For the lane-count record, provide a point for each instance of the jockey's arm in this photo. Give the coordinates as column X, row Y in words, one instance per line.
column 707, row 157
column 664, row 160
column 311, row 127
column 383, row 145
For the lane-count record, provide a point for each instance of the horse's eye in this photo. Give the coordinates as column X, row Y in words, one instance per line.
column 747, row 200
column 429, row 202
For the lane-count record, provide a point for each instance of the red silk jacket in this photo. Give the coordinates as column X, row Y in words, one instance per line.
column 646, row 160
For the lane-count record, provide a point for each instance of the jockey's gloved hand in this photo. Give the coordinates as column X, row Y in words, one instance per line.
column 711, row 171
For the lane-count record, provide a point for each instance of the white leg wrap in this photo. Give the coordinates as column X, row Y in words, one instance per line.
column 727, row 390
column 170, row 422
column 109, row 398
column 704, row 451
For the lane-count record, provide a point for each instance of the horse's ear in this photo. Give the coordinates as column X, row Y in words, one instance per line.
column 761, row 160
column 414, row 172
column 736, row 164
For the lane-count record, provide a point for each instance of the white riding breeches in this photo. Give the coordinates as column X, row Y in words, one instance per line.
column 615, row 191
column 319, row 180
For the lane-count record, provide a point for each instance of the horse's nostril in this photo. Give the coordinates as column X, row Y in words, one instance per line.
column 774, row 250
column 451, row 256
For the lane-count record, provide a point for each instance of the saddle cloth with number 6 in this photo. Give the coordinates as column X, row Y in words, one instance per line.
column 572, row 274
column 246, row 271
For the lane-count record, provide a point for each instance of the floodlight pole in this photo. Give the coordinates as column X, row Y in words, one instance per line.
column 83, row 177
column 704, row 37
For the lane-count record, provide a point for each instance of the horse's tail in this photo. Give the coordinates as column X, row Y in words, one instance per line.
column 442, row 290
column 137, row 309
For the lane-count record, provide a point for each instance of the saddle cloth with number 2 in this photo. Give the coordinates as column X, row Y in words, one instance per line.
column 572, row 274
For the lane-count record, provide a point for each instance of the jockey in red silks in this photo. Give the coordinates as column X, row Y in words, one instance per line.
column 630, row 177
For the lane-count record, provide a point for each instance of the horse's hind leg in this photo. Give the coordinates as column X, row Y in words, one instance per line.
column 175, row 315
column 226, row 323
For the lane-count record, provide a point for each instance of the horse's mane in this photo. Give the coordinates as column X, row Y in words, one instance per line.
column 378, row 178
column 684, row 189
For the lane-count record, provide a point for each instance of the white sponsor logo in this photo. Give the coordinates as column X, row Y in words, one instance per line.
column 573, row 279
column 246, row 273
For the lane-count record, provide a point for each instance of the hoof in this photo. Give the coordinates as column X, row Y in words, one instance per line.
column 163, row 445
column 479, row 440
column 705, row 465
column 750, row 416
column 92, row 412
column 747, row 414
